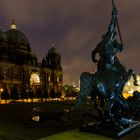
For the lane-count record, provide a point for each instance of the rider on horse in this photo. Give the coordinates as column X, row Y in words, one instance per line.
column 107, row 50
column 106, row 85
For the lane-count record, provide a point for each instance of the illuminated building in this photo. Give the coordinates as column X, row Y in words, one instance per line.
column 129, row 87
column 51, row 71
column 19, row 67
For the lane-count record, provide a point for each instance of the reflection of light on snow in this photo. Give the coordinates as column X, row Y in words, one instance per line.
column 36, row 118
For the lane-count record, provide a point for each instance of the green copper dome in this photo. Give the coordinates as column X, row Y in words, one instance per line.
column 52, row 51
column 16, row 37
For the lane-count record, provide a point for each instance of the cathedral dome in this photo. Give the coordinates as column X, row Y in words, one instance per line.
column 16, row 37
column 3, row 37
column 52, row 51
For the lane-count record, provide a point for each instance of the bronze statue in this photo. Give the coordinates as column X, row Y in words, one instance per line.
column 108, row 82
column 107, row 49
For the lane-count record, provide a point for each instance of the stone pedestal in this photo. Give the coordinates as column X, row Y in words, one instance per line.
column 108, row 129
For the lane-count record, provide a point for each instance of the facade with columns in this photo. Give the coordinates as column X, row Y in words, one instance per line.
column 20, row 70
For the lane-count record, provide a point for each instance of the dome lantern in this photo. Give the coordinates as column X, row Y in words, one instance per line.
column 13, row 25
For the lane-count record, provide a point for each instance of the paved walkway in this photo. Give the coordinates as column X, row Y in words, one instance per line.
column 77, row 135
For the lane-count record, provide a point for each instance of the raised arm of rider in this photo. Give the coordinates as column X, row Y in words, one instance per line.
column 114, row 12
column 113, row 21
column 112, row 27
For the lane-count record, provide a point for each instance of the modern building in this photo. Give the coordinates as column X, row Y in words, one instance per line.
column 20, row 70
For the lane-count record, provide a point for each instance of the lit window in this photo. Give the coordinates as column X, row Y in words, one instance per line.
column 57, row 79
column 49, row 78
column 34, row 79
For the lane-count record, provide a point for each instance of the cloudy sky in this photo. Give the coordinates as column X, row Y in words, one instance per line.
column 75, row 27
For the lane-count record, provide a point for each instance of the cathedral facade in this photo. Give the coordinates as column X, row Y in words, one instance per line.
column 20, row 71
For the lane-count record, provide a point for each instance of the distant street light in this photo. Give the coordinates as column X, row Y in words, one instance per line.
column 1, row 90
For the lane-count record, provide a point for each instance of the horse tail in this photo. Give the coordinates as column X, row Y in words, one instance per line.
column 85, row 87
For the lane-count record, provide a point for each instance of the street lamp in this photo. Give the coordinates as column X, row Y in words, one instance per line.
column 1, row 90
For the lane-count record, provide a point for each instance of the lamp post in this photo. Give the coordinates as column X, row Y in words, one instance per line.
column 1, row 90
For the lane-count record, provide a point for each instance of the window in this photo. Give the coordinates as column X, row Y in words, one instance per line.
column 35, row 79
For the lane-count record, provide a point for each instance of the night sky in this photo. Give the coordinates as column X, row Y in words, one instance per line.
column 75, row 27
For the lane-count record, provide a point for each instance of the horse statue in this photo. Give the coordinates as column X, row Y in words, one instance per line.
column 105, row 89
column 106, row 85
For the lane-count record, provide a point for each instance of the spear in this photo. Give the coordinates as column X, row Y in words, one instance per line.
column 113, row 4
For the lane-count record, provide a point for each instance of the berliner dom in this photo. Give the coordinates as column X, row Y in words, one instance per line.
column 20, row 71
